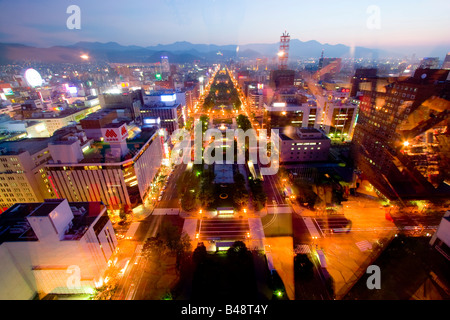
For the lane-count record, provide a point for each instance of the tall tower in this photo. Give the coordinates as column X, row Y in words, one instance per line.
column 165, row 66
column 321, row 61
column 283, row 54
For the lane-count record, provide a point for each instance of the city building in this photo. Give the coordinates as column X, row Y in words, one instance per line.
column 338, row 118
column 283, row 114
column 92, row 125
column 57, row 120
column 441, row 238
column 54, row 247
column 131, row 102
column 328, row 67
column 169, row 106
column 165, row 66
column 282, row 78
column 429, row 63
column 31, row 129
column 117, row 170
column 446, row 63
column 362, row 75
column 400, row 139
column 23, row 175
column 303, row 145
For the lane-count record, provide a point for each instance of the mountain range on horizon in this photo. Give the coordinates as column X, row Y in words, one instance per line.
column 183, row 51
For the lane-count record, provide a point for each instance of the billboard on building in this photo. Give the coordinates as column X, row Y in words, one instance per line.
column 118, row 134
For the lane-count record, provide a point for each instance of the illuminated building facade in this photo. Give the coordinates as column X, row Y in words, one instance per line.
column 54, row 247
column 401, row 135
column 118, row 171
column 303, row 145
column 23, row 176
column 283, row 114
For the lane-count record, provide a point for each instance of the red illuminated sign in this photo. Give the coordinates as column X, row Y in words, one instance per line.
column 110, row 134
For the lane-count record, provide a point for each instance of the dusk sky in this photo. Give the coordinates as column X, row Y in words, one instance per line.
column 403, row 23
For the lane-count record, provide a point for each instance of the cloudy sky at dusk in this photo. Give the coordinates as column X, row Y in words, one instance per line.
column 403, row 24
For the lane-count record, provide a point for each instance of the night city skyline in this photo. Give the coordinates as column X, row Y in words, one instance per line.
column 403, row 28
column 225, row 155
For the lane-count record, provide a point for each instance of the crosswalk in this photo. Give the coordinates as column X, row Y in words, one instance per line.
column 333, row 224
column 302, row 249
column 224, row 229
column 166, row 211
column 364, row 245
column 311, row 228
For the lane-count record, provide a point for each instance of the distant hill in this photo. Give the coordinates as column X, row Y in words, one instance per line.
column 178, row 52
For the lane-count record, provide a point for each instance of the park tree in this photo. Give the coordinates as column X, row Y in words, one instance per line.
column 204, row 119
column 240, row 195
column 258, row 193
column 200, row 254
column 238, row 252
column 243, row 122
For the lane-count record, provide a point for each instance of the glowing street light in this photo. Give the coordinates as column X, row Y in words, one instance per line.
column 406, row 143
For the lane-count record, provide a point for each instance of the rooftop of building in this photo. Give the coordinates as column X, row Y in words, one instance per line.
column 45, row 208
column 99, row 150
column 288, row 106
column 32, row 145
column 62, row 114
column 14, row 225
column 163, row 92
column 159, row 105
column 291, row 133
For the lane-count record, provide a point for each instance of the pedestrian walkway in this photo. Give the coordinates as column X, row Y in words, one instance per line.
column 256, row 233
column 279, row 209
column 302, row 249
column 190, row 227
column 364, row 245
column 166, row 211
column 224, row 229
column 311, row 228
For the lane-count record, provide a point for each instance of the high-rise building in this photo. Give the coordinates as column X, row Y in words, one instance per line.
column 118, row 170
column 23, row 175
column 169, row 106
column 400, row 138
column 165, row 66
column 362, row 76
column 131, row 102
column 338, row 119
column 283, row 114
column 446, row 63
column 429, row 63
column 282, row 78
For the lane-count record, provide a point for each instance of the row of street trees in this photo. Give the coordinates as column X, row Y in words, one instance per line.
column 222, row 91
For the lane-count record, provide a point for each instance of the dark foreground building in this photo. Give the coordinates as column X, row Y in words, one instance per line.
column 401, row 139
